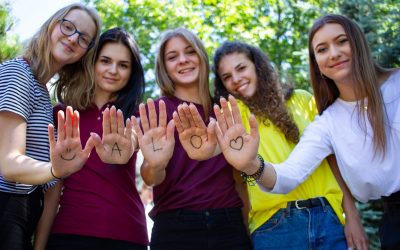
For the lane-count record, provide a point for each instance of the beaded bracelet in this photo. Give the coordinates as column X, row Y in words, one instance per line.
column 253, row 178
column 52, row 174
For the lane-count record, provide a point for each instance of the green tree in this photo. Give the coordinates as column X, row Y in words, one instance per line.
column 9, row 46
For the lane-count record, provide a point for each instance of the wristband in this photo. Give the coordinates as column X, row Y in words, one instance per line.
column 252, row 179
column 52, row 174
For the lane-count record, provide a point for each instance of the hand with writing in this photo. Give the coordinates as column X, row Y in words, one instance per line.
column 66, row 153
column 238, row 147
column 198, row 140
column 118, row 141
column 156, row 141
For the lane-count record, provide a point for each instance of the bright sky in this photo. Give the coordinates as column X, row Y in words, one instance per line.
column 31, row 14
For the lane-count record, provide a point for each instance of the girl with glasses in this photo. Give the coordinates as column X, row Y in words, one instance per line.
column 29, row 154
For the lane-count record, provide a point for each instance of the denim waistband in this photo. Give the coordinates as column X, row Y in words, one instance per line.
column 309, row 203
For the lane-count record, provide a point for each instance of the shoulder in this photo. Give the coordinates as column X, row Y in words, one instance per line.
column 302, row 100
column 391, row 87
column 16, row 67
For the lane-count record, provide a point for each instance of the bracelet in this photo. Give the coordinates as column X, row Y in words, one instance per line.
column 252, row 179
column 52, row 174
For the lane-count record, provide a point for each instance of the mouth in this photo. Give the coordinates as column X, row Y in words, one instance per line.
column 338, row 64
column 242, row 87
column 109, row 80
column 187, row 70
column 67, row 47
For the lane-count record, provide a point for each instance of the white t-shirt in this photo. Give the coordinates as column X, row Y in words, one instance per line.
column 367, row 173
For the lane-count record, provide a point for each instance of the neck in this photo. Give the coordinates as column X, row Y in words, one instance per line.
column 101, row 98
column 346, row 91
column 190, row 94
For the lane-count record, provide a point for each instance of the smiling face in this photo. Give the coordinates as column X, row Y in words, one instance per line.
column 112, row 68
column 65, row 49
column 238, row 74
column 182, row 62
column 333, row 53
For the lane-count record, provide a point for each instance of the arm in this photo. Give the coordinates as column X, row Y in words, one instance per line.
column 240, row 150
column 51, row 202
column 353, row 229
column 66, row 154
column 156, row 142
column 198, row 140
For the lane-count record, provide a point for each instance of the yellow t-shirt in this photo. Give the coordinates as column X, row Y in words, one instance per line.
column 275, row 148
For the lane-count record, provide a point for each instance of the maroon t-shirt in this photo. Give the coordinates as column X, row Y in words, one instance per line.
column 191, row 184
column 101, row 200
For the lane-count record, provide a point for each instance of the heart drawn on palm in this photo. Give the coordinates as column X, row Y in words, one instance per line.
column 237, row 143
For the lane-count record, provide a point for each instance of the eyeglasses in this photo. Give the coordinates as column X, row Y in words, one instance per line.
column 68, row 28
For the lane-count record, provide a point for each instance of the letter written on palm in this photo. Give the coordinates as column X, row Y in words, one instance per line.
column 156, row 141
column 66, row 153
column 117, row 143
column 238, row 147
column 198, row 140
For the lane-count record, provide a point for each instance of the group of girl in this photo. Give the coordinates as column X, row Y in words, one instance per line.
column 196, row 170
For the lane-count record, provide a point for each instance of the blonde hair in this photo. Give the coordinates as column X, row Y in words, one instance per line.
column 73, row 78
column 365, row 75
column 164, row 81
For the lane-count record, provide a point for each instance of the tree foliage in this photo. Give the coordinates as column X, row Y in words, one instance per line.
column 9, row 46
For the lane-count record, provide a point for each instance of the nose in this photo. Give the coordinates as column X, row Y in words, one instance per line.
column 236, row 78
column 334, row 52
column 74, row 38
column 182, row 58
column 113, row 68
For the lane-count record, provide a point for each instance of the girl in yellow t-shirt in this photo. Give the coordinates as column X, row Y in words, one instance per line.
column 311, row 215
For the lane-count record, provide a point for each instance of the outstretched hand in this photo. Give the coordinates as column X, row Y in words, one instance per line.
column 198, row 140
column 66, row 153
column 118, row 142
column 238, row 147
column 156, row 141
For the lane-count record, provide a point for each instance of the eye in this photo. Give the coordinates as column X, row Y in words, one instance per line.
column 320, row 50
column 124, row 66
column 105, row 60
column 241, row 68
column 343, row 40
column 85, row 39
column 226, row 78
column 171, row 58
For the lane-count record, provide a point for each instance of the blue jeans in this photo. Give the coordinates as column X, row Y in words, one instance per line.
column 306, row 228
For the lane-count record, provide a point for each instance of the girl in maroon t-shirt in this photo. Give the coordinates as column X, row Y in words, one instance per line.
column 196, row 204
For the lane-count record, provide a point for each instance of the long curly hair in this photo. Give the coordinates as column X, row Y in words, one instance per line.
column 268, row 101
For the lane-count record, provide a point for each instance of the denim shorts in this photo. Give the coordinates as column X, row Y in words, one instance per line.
column 207, row 229
column 292, row 227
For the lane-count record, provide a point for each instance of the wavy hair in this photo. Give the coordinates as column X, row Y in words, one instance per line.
column 365, row 78
column 268, row 101
column 73, row 78
column 130, row 96
column 164, row 81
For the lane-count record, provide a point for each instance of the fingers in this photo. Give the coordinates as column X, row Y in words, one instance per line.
column 90, row 143
column 143, row 117
column 68, row 122
column 128, row 129
column 211, row 131
column 220, row 119
column 182, row 116
column 136, row 127
column 188, row 115
column 253, row 126
column 152, row 113
column 61, row 125
column 113, row 120
column 235, row 110
column 177, row 122
column 196, row 117
column 120, row 123
column 170, row 131
column 227, row 113
column 95, row 140
column 76, row 119
column 106, row 122
column 162, row 119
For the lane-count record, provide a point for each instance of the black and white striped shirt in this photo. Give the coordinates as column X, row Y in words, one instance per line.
column 23, row 95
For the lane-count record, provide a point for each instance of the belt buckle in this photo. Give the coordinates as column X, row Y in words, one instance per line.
column 297, row 204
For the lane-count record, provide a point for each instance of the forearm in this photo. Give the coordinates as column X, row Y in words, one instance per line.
column 20, row 168
column 268, row 177
column 51, row 202
column 152, row 175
